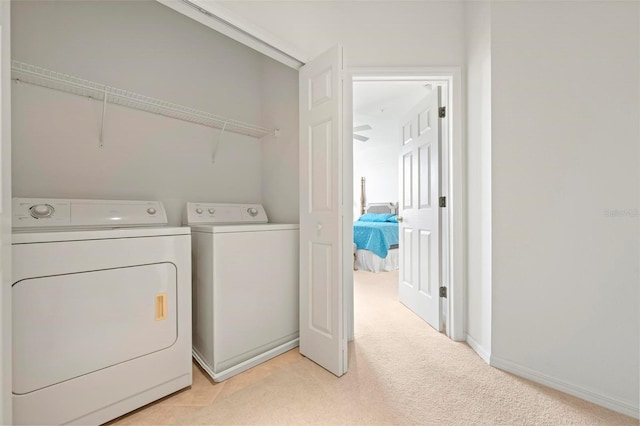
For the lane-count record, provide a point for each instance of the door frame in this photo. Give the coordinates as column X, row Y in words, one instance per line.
column 5, row 216
column 453, row 183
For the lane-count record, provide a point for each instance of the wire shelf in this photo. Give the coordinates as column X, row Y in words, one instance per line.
column 38, row 76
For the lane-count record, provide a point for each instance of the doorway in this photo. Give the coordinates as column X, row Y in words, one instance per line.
column 380, row 98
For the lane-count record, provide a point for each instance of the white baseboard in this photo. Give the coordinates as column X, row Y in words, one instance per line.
column 624, row 407
column 245, row 365
column 482, row 352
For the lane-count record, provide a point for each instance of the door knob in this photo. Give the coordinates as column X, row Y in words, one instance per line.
column 400, row 219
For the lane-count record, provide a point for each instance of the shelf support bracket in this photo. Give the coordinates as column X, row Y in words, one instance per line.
column 215, row 147
column 104, row 113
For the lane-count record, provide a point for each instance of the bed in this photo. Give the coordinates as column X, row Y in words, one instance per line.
column 375, row 236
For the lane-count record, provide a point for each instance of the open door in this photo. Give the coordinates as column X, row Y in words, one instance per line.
column 322, row 252
column 419, row 210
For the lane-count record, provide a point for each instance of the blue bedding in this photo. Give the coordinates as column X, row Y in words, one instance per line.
column 375, row 236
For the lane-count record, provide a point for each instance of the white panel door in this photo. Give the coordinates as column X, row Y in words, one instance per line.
column 322, row 331
column 419, row 275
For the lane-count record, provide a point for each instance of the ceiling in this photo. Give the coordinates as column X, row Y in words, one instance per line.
column 388, row 99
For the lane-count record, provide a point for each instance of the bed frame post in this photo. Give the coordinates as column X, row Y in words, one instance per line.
column 362, row 200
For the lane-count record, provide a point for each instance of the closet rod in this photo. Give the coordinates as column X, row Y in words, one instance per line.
column 42, row 77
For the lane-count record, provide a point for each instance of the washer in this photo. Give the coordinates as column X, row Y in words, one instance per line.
column 101, row 309
column 245, row 286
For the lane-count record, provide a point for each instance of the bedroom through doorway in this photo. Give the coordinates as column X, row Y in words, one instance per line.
column 381, row 131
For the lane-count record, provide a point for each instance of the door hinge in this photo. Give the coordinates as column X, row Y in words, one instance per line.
column 443, row 201
column 442, row 112
column 443, row 292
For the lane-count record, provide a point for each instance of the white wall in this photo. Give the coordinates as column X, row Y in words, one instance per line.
column 149, row 49
column 280, row 162
column 394, row 33
column 565, row 190
column 478, row 250
column 376, row 160
column 5, row 214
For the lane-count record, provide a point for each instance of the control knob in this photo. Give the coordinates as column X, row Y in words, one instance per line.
column 253, row 212
column 40, row 211
column 212, row 211
column 151, row 210
column 199, row 210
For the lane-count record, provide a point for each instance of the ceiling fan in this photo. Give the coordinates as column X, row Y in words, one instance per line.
column 361, row 129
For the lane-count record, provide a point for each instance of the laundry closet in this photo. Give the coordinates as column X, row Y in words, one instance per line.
column 114, row 103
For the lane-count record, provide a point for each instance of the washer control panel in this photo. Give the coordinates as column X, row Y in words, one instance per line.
column 39, row 213
column 219, row 213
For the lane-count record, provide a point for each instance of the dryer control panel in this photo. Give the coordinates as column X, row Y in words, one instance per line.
column 223, row 214
column 55, row 213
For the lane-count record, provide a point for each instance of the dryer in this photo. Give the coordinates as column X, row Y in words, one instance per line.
column 245, row 286
column 101, row 309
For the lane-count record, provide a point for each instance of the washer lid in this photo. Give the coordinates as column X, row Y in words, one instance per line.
column 55, row 213
column 261, row 227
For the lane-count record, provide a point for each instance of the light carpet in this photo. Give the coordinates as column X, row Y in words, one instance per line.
column 401, row 371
